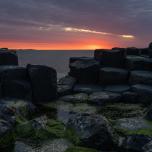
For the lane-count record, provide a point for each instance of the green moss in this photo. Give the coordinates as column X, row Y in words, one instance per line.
column 55, row 129
column 124, row 132
column 121, row 110
column 20, row 119
column 147, row 131
column 71, row 135
column 24, row 130
column 58, row 130
column 80, row 149
column 52, row 129
column 149, row 122
column 7, row 140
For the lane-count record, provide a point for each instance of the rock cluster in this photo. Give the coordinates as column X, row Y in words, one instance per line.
column 36, row 83
column 118, row 83
column 127, row 71
column 104, row 104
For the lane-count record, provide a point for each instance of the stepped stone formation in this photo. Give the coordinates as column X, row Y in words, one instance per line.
column 121, row 70
column 34, row 82
column 104, row 103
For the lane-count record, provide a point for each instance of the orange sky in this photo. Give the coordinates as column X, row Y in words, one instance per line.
column 74, row 25
column 89, row 44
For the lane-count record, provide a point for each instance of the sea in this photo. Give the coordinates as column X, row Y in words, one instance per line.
column 58, row 59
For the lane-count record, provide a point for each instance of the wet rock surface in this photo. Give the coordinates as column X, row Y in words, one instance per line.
column 81, row 97
column 102, row 105
column 43, row 82
column 65, row 85
column 113, row 76
column 117, row 88
column 85, row 71
column 8, row 58
column 144, row 92
column 102, row 98
column 138, row 63
column 141, row 77
column 110, row 58
column 85, row 88
column 93, row 130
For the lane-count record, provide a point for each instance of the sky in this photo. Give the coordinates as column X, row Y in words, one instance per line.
column 75, row 24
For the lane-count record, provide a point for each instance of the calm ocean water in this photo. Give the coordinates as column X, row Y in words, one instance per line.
column 56, row 59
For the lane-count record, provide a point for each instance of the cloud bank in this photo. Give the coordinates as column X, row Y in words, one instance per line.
column 121, row 23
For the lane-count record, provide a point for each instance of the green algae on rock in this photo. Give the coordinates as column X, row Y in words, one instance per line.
column 40, row 128
column 43, row 128
column 80, row 149
column 122, row 110
column 7, row 137
column 62, row 111
column 134, row 126
column 56, row 145
column 18, row 108
column 78, row 98
column 94, row 131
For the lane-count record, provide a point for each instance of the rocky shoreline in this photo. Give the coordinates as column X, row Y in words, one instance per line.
column 102, row 105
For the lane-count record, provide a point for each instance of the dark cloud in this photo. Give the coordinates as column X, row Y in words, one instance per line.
column 21, row 19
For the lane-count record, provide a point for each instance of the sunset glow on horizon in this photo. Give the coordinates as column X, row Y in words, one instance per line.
column 74, row 25
column 47, row 46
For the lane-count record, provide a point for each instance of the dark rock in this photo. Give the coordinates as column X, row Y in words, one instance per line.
column 117, row 48
column 135, row 132
column 141, row 77
column 144, row 51
column 81, row 97
column 133, row 51
column 80, row 149
column 133, row 126
column 17, row 89
column 150, row 45
column 150, row 53
column 148, row 115
column 56, row 145
column 135, row 143
column 148, row 147
column 65, row 85
column 144, row 92
column 44, row 83
column 64, row 110
column 67, row 80
column 113, row 76
column 115, row 111
column 150, row 49
column 117, row 88
column 4, row 68
column 102, row 98
column 22, row 147
column 130, row 97
column 94, row 131
column 40, row 129
column 15, row 83
column 86, row 88
column 8, row 58
column 138, row 63
column 17, row 108
column 14, row 73
column 4, row 49
column 63, row 90
column 6, row 135
column 110, row 58
column 85, row 71
column 73, row 59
